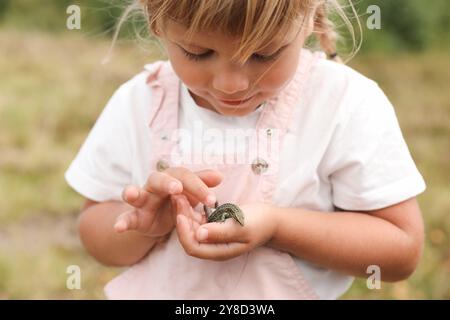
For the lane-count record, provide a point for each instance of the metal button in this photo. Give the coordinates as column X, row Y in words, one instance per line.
column 269, row 132
column 162, row 165
column 259, row 166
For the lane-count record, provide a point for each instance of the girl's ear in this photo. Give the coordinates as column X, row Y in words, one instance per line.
column 157, row 32
column 157, row 29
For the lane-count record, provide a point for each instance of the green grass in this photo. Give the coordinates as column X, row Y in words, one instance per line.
column 52, row 89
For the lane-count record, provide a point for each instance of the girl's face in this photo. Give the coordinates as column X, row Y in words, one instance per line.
column 217, row 83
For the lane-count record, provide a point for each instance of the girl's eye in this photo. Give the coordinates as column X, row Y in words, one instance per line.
column 262, row 58
column 257, row 57
column 196, row 57
column 273, row 56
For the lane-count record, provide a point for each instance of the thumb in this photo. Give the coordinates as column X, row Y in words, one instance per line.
column 127, row 220
column 220, row 232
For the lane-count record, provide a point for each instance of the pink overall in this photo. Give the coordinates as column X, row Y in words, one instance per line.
column 167, row 272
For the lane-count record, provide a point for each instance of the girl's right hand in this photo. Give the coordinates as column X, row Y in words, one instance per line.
column 152, row 213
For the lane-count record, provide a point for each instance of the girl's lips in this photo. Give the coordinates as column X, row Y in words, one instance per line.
column 235, row 102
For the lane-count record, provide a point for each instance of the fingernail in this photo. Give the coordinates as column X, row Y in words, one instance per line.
column 202, row 234
column 120, row 225
column 133, row 192
column 173, row 187
column 211, row 200
column 179, row 219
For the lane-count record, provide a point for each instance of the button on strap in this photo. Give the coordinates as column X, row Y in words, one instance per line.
column 162, row 165
column 259, row 166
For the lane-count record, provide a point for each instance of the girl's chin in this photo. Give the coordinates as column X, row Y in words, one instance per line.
column 227, row 109
column 237, row 110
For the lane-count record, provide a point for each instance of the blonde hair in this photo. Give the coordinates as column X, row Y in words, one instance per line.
column 255, row 22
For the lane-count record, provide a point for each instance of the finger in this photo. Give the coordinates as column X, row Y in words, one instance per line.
column 159, row 181
column 162, row 184
column 155, row 191
column 186, row 209
column 187, row 238
column 221, row 251
column 126, row 221
column 210, row 177
column 195, row 225
column 204, row 217
column 173, row 205
column 193, row 185
column 146, row 206
column 142, row 199
column 186, row 235
column 193, row 201
column 135, row 196
column 210, row 251
column 221, row 232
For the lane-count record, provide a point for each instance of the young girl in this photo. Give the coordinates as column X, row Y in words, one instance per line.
column 333, row 197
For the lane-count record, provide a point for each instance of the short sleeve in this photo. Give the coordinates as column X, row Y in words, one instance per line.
column 371, row 166
column 101, row 168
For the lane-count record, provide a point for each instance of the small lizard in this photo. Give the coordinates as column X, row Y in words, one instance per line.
column 223, row 212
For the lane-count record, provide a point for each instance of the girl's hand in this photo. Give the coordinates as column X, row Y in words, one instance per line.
column 223, row 240
column 151, row 213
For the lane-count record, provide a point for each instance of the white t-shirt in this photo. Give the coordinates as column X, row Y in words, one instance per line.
column 344, row 149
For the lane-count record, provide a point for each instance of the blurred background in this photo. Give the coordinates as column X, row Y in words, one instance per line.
column 53, row 86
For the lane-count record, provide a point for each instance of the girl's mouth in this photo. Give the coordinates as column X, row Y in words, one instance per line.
column 235, row 102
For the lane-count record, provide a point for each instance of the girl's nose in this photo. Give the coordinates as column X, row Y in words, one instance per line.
column 231, row 80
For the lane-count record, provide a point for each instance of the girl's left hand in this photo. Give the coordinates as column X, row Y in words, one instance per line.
column 222, row 240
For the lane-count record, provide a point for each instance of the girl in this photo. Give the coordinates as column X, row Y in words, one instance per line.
column 332, row 197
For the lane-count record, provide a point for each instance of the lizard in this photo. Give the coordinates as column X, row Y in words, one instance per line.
column 223, row 212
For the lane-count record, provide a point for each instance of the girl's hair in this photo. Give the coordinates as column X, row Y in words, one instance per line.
column 256, row 22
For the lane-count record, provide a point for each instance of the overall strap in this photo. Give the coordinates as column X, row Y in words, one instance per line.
column 277, row 117
column 163, row 119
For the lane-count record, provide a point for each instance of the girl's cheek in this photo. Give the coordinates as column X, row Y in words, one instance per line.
column 183, row 68
column 276, row 78
column 280, row 73
column 193, row 77
column 190, row 73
